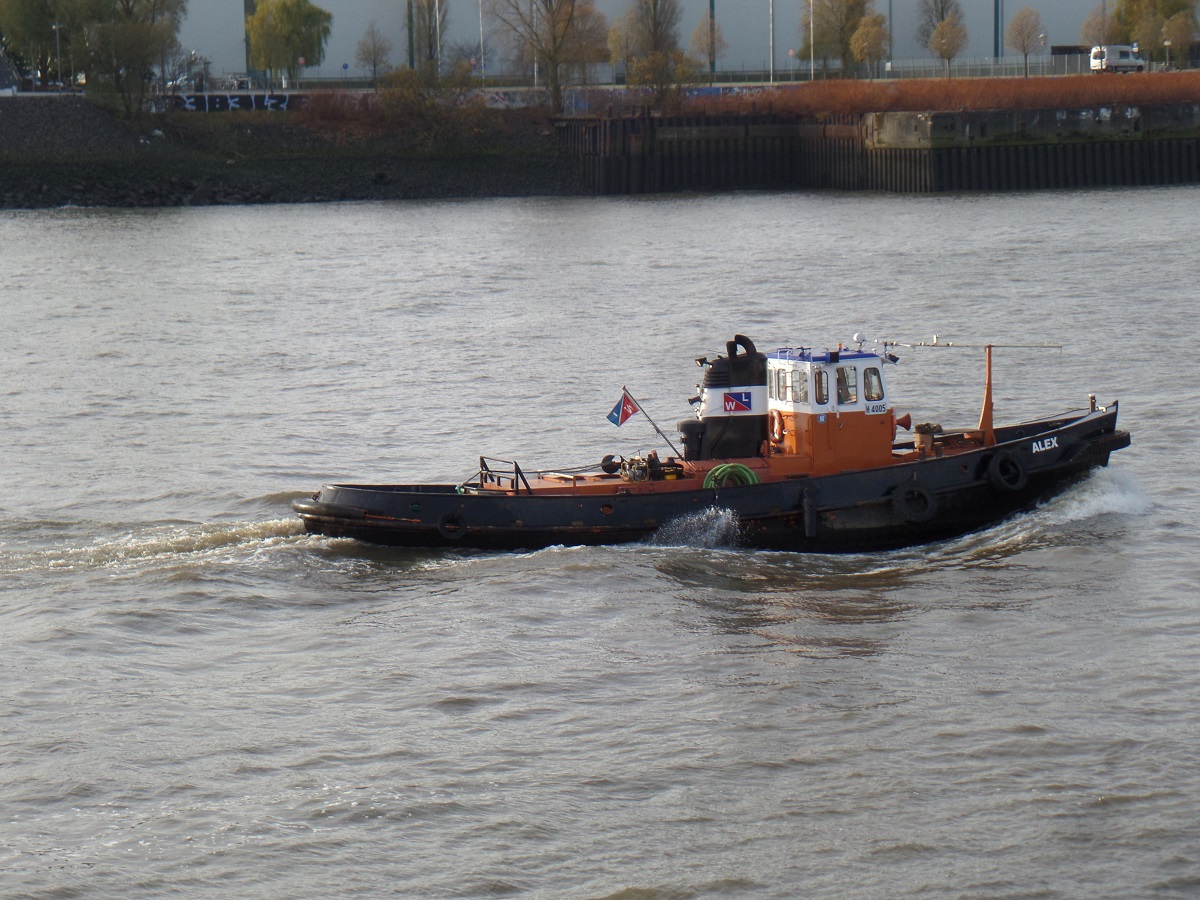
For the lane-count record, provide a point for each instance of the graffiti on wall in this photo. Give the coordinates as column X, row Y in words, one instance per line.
column 236, row 102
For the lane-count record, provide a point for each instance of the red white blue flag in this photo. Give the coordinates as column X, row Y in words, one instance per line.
column 737, row 401
column 625, row 408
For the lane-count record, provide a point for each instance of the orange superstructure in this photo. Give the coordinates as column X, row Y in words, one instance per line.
column 820, row 411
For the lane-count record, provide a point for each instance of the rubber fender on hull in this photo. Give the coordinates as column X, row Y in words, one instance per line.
column 914, row 502
column 1007, row 472
column 811, row 515
column 451, row 527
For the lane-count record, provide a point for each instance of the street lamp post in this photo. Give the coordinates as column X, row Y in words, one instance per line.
column 812, row 40
column 58, row 56
column 712, row 42
column 772, row 5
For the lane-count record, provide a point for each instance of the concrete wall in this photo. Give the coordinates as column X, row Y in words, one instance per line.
column 929, row 130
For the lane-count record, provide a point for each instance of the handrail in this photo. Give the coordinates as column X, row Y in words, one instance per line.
column 487, row 475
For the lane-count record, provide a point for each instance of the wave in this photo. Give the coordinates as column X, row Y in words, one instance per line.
column 707, row 529
column 162, row 543
column 1107, row 493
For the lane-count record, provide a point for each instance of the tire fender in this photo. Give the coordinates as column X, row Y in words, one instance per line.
column 914, row 502
column 451, row 527
column 1007, row 472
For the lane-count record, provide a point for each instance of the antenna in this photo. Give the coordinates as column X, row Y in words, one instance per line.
column 940, row 344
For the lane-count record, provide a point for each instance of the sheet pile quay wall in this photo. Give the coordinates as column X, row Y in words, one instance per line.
column 906, row 152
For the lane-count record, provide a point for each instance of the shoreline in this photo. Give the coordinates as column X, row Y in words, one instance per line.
column 126, row 183
column 64, row 151
column 58, row 151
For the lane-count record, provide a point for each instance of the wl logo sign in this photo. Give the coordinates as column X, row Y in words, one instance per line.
column 737, row 401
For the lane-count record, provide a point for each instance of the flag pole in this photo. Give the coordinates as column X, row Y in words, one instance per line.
column 651, row 421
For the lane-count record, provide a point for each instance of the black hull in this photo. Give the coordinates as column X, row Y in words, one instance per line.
column 877, row 509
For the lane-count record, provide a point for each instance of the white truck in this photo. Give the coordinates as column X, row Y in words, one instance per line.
column 1117, row 58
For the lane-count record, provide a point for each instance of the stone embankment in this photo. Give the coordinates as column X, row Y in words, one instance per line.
column 60, row 151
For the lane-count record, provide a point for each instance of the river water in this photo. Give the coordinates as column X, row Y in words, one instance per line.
column 198, row 699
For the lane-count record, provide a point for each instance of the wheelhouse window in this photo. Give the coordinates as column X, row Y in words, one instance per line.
column 777, row 384
column 847, row 384
column 799, row 386
column 820, row 387
column 872, row 384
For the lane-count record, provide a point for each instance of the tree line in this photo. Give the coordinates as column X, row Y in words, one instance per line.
column 559, row 38
column 117, row 44
column 120, row 45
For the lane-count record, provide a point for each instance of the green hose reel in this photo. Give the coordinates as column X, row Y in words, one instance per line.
column 730, row 474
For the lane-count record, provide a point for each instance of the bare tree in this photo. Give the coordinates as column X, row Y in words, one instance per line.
column 549, row 32
column 665, row 73
column 129, row 40
column 870, row 41
column 708, row 43
column 830, row 35
column 429, row 21
column 587, row 44
column 655, row 25
column 817, row 34
column 1180, row 30
column 931, row 13
column 1024, row 33
column 1100, row 27
column 373, row 52
column 1136, row 18
column 838, row 20
column 1147, row 31
column 622, row 46
column 948, row 40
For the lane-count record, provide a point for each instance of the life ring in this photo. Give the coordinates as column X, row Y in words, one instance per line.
column 914, row 502
column 451, row 527
column 1007, row 472
column 775, row 419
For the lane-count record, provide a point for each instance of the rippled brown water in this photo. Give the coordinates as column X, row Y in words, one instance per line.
column 199, row 699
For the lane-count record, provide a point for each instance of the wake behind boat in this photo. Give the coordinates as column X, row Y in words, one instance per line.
column 799, row 444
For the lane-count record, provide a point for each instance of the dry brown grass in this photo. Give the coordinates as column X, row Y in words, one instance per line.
column 824, row 98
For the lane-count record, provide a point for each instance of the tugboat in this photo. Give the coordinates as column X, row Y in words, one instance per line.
column 799, row 444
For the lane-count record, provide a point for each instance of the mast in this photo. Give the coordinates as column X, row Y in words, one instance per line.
column 985, row 415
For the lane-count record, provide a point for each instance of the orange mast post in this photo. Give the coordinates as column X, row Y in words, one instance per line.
column 985, row 415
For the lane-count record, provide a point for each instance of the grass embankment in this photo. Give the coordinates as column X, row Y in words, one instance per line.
column 824, row 98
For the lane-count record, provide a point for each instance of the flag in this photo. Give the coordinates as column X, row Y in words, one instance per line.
column 625, row 408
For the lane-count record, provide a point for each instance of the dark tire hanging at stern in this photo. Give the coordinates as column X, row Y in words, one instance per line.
column 914, row 502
